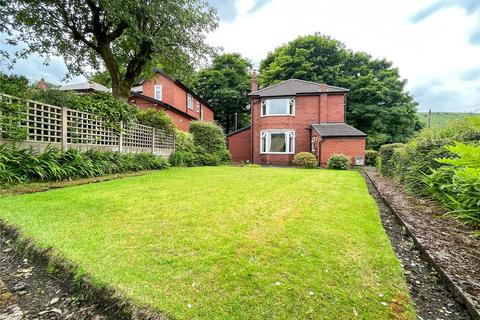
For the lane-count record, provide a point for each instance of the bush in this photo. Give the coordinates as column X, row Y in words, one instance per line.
column 204, row 146
column 24, row 165
column 305, row 159
column 386, row 155
column 157, row 119
column 339, row 162
column 371, row 157
column 457, row 183
column 13, row 85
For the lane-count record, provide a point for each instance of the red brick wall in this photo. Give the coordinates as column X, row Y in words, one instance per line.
column 175, row 95
column 181, row 122
column 308, row 110
column 350, row 147
column 239, row 145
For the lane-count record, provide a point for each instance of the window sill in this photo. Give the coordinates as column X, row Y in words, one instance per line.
column 279, row 153
column 277, row 115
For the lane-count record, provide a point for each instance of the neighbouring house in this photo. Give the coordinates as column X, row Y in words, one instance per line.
column 295, row 116
column 85, row 87
column 163, row 92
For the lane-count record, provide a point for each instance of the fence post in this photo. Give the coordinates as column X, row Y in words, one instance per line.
column 120, row 138
column 153, row 140
column 64, row 128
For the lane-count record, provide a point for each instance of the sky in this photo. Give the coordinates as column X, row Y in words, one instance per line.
column 434, row 43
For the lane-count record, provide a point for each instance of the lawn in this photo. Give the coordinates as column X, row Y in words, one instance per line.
column 227, row 242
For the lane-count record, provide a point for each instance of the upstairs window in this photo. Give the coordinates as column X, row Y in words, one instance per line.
column 189, row 101
column 277, row 142
column 158, row 92
column 278, row 107
column 198, row 107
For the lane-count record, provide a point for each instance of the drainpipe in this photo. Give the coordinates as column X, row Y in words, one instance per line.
column 345, row 108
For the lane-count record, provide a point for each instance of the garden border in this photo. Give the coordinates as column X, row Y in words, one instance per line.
column 454, row 289
column 116, row 305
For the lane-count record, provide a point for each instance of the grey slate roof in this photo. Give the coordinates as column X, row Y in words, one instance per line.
column 85, row 86
column 293, row 87
column 337, row 130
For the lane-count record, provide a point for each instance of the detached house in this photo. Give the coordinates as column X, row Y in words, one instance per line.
column 295, row 116
column 172, row 96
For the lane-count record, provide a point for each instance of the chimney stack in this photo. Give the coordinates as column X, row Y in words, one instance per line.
column 254, row 81
column 42, row 84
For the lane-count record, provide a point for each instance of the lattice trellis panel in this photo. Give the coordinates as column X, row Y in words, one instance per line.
column 137, row 135
column 164, row 140
column 87, row 128
column 44, row 122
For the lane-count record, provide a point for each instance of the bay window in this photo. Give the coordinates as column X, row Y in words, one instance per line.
column 277, row 141
column 278, row 107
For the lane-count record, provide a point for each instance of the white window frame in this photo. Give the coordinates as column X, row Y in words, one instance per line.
column 289, row 133
column 265, row 104
column 198, row 106
column 314, row 144
column 189, row 101
column 157, row 87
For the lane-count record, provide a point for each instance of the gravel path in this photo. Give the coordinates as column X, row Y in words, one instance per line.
column 432, row 299
column 27, row 292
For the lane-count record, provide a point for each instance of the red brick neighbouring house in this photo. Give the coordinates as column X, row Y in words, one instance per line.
column 172, row 96
column 295, row 116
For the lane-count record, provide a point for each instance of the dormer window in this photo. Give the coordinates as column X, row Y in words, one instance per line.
column 278, row 107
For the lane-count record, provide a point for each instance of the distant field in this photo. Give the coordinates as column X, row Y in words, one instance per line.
column 441, row 119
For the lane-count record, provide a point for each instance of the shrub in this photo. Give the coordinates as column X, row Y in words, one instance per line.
column 370, row 157
column 305, row 159
column 339, row 162
column 457, row 183
column 23, row 165
column 386, row 154
column 157, row 119
column 13, row 85
column 208, row 135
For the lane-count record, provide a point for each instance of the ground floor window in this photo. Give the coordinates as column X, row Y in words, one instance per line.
column 314, row 144
column 281, row 141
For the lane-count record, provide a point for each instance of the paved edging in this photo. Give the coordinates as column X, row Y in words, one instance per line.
column 116, row 305
column 456, row 290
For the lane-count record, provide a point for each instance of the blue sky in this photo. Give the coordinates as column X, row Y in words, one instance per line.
column 434, row 43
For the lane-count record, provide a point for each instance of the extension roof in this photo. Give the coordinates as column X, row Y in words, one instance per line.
column 337, row 130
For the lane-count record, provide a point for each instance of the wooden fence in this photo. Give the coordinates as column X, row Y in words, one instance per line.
column 65, row 128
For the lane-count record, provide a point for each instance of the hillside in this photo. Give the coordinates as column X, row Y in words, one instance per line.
column 441, row 119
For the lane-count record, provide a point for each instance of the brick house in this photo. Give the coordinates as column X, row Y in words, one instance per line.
column 295, row 116
column 172, row 96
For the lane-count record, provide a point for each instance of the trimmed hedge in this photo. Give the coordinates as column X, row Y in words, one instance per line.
column 386, row 154
column 305, row 159
column 339, row 162
column 203, row 146
column 25, row 165
column 371, row 157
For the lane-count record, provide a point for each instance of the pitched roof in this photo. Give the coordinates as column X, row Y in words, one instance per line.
column 161, row 103
column 293, row 87
column 85, row 86
column 238, row 131
column 337, row 130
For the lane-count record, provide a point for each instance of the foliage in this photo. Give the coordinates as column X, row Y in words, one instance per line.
column 371, row 157
column 126, row 36
column 157, row 119
column 275, row 236
column 386, row 158
column 13, row 85
column 339, row 162
column 377, row 103
column 203, row 146
column 225, row 85
column 457, row 183
column 11, row 116
column 305, row 159
column 24, row 165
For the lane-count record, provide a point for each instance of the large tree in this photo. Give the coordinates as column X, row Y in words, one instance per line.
column 135, row 34
column 225, row 85
column 377, row 103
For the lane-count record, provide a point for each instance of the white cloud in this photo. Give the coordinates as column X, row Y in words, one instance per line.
column 434, row 50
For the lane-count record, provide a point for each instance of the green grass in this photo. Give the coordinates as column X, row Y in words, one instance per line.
column 442, row 119
column 231, row 242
